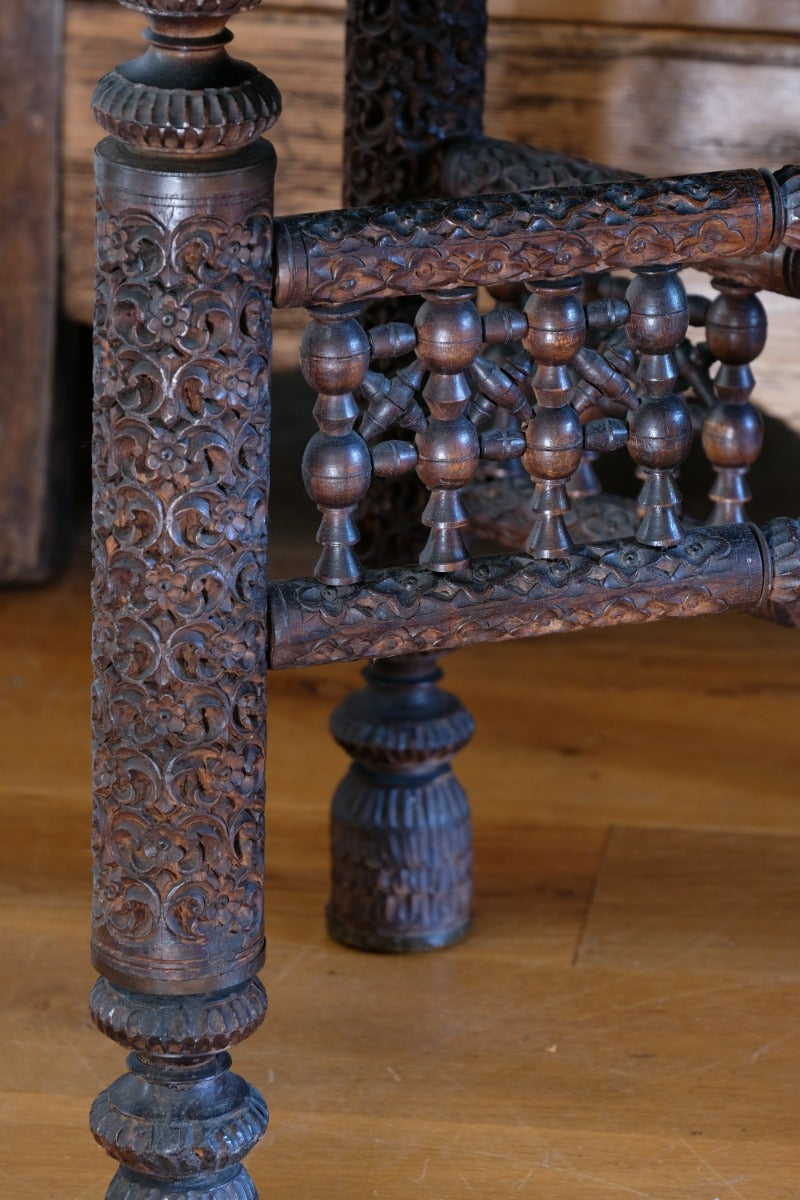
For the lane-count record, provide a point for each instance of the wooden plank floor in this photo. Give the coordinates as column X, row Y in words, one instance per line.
column 621, row 1022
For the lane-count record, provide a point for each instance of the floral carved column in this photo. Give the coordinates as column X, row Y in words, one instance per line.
column 182, row 326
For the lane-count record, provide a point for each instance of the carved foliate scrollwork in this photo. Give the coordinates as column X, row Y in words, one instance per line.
column 509, row 596
column 181, row 473
column 180, row 509
column 411, row 248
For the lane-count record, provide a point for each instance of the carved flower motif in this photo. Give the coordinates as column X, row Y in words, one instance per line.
column 240, row 649
column 698, row 551
column 165, row 714
column 628, row 561
column 166, row 587
column 227, row 778
column 648, row 243
column 483, row 577
column 242, row 247
column 231, row 518
column 166, row 455
column 152, row 849
column 113, row 246
column 327, row 600
column 167, row 318
column 240, row 383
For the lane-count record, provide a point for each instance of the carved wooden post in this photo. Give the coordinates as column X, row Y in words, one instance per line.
column 181, row 476
column 414, row 78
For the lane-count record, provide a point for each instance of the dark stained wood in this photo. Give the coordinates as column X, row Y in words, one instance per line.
column 665, row 1060
column 414, row 77
column 34, row 452
column 606, row 90
column 182, row 608
column 181, row 484
column 372, row 253
column 501, row 597
column 401, row 832
column 733, row 430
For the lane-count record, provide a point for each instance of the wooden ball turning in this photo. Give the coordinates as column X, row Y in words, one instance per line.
column 449, row 333
column 334, row 354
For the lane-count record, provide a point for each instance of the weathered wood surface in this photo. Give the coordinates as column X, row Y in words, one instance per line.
column 758, row 16
column 31, row 461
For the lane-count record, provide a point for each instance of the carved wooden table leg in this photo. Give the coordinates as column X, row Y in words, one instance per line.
column 401, row 834
column 414, row 79
column 181, row 477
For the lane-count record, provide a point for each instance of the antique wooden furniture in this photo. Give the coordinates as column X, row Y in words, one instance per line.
column 190, row 264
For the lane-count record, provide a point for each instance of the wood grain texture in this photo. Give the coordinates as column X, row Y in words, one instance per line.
column 31, row 461
column 663, row 1064
column 696, row 900
column 758, row 16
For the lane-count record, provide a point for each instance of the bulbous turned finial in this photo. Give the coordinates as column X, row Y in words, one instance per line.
column 185, row 94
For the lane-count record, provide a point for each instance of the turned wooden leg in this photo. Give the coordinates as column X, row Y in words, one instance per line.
column 400, row 824
column 179, row 539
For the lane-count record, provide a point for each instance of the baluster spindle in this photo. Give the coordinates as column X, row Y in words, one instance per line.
column 556, row 332
column 449, row 336
column 733, row 431
column 660, row 428
column 334, row 355
column 182, row 336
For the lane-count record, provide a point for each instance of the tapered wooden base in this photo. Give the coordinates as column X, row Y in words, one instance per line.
column 401, row 837
column 234, row 1184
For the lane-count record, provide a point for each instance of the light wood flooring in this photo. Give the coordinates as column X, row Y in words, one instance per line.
column 622, row 1022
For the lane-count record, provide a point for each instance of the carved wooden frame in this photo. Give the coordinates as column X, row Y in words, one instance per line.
column 185, row 624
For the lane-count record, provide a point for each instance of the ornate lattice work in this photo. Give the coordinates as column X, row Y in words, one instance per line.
column 181, row 474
